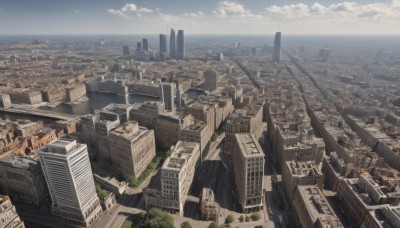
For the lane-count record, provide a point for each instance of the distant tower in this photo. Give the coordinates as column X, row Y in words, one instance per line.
column 145, row 44
column 139, row 46
column 178, row 95
column 163, row 46
column 276, row 55
column 125, row 50
column 172, row 44
column 167, row 95
column 67, row 171
column 180, row 45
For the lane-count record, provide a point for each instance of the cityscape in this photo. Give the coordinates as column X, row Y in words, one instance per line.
column 184, row 128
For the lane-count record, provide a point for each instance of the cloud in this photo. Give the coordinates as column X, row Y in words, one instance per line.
column 76, row 11
column 350, row 11
column 130, row 8
column 194, row 15
column 232, row 9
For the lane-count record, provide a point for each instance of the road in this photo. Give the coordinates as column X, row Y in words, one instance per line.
column 40, row 113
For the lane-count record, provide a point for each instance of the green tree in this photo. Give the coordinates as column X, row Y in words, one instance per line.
column 255, row 216
column 186, row 224
column 241, row 218
column 229, row 219
column 213, row 225
column 214, row 137
column 247, row 219
column 156, row 218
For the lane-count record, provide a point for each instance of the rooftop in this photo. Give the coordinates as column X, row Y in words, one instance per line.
column 181, row 154
column 249, row 146
column 318, row 206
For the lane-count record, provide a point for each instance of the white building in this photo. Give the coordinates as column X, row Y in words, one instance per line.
column 68, row 174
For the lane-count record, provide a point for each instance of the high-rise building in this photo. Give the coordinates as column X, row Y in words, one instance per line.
column 8, row 214
column 178, row 95
column 69, row 177
column 125, row 50
column 172, row 44
column 139, row 46
column 163, row 46
column 324, row 54
column 145, row 44
column 180, row 50
column 276, row 54
column 167, row 95
column 248, row 163
column 212, row 78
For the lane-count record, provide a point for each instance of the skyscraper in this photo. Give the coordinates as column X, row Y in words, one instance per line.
column 181, row 45
column 167, row 95
column 139, row 46
column 172, row 44
column 67, row 171
column 125, row 50
column 276, row 55
column 163, row 46
column 145, row 44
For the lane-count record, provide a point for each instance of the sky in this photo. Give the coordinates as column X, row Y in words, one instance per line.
column 199, row 16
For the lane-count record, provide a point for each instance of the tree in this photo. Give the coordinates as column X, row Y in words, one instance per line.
column 214, row 137
column 156, row 218
column 241, row 218
column 213, row 225
column 229, row 219
column 247, row 219
column 186, row 224
column 255, row 216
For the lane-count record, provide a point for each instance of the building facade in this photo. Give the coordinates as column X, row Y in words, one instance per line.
column 69, row 177
column 22, row 179
column 132, row 148
column 248, row 169
column 8, row 214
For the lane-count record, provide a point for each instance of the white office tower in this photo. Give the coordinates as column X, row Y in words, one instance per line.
column 68, row 174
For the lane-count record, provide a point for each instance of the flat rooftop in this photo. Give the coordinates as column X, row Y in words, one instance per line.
column 180, row 155
column 249, row 146
column 318, row 206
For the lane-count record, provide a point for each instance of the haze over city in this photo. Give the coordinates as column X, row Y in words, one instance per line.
column 200, row 17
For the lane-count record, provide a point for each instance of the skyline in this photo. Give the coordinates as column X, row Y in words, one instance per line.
column 254, row 17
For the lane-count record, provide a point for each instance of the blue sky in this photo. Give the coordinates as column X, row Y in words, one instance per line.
column 199, row 16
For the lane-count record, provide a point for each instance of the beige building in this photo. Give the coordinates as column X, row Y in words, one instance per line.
column 75, row 92
column 22, row 179
column 131, row 148
column 176, row 176
column 296, row 173
column 106, row 122
column 26, row 97
column 389, row 216
column 359, row 196
column 209, row 207
column 5, row 101
column 248, row 170
column 247, row 120
column 312, row 209
column 8, row 214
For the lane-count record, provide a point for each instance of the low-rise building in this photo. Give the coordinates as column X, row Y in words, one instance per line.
column 75, row 92
column 5, row 101
column 209, row 207
column 22, row 179
column 312, row 208
column 131, row 148
column 26, row 97
column 296, row 173
column 8, row 214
